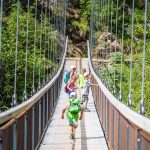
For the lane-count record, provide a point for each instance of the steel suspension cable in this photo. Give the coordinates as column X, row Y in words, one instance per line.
column 129, row 103
column 107, row 83
column 91, row 27
column 26, row 59
column 104, row 14
column 41, row 44
column 122, row 52
column 103, row 27
column 51, row 43
column 142, row 109
column 48, row 37
column 35, row 42
column 116, row 38
column 14, row 98
column 1, row 23
column 109, row 31
column 44, row 56
column 54, row 32
column 65, row 20
column 53, row 28
column 101, row 14
column 111, row 34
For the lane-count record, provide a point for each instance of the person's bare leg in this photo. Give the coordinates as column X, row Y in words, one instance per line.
column 71, row 129
column 71, row 132
column 86, row 102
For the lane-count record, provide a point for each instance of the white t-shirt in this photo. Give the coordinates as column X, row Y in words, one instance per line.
column 86, row 87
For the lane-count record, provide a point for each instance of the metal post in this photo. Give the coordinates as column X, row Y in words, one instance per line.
column 43, row 112
column 47, row 107
column 139, row 141
column 14, row 137
column 25, row 132
column 119, row 132
column 33, row 116
column 107, row 120
column 39, row 120
column 128, row 137
column 112, row 129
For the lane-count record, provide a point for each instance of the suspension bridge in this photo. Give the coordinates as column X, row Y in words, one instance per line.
column 33, row 50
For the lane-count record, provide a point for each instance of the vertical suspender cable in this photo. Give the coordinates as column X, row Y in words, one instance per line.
column 114, row 87
column 142, row 109
column 129, row 103
column 100, row 2
column 51, row 42
column 54, row 40
column 111, row 23
column 48, row 37
column 65, row 20
column 1, row 22
column 41, row 44
column 91, row 27
column 14, row 98
column 35, row 30
column 103, row 14
column 107, row 82
column 26, row 59
column 110, row 30
column 122, row 52
column 44, row 56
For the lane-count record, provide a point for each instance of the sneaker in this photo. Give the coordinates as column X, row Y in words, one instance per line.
column 86, row 109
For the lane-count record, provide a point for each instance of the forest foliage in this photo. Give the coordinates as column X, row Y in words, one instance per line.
column 41, row 63
column 112, row 72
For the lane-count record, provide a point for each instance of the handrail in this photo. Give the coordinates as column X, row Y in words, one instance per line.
column 138, row 120
column 13, row 112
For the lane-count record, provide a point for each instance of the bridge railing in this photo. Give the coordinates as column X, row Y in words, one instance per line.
column 124, row 129
column 23, row 126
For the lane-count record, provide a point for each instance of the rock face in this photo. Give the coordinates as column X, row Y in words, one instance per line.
column 77, row 46
column 76, row 50
column 106, row 43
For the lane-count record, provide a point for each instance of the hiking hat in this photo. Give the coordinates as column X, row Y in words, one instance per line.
column 73, row 95
column 73, row 67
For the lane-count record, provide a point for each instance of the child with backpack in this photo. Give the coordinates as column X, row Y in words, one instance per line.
column 85, row 90
column 70, row 86
column 74, row 112
column 69, row 74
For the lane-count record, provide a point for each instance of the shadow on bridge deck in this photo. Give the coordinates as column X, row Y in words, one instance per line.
column 89, row 134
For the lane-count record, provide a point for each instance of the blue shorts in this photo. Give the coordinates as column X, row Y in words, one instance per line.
column 85, row 97
column 69, row 92
column 70, row 122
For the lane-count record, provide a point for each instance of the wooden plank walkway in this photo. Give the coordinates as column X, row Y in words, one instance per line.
column 89, row 134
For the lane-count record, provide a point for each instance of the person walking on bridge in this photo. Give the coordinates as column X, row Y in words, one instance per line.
column 70, row 74
column 81, row 78
column 85, row 90
column 74, row 112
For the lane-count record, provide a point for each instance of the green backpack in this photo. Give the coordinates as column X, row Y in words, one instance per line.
column 74, row 106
